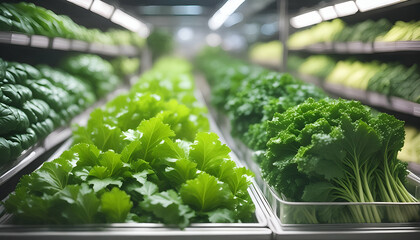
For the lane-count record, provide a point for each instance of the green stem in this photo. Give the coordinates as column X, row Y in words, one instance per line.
column 375, row 214
column 388, row 178
column 360, row 190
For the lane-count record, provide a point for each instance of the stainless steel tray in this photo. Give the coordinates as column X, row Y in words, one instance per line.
column 256, row 230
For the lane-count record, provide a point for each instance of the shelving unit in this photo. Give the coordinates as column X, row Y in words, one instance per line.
column 397, row 49
column 38, row 49
column 370, row 98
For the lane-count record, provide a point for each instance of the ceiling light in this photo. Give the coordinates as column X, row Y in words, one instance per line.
column 102, row 8
column 123, row 19
column 346, row 8
column 366, row 5
column 82, row 3
column 233, row 19
column 306, row 19
column 217, row 20
column 328, row 13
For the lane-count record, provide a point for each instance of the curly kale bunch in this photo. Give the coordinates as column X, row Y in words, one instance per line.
column 338, row 150
column 291, row 95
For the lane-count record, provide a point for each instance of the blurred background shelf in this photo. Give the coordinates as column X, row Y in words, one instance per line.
column 57, row 43
column 360, row 47
column 370, row 98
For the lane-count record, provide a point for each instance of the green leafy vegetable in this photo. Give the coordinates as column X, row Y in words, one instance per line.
column 205, row 193
column 140, row 158
column 116, row 205
column 337, row 150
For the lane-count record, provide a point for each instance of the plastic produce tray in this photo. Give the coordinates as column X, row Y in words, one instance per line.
column 299, row 213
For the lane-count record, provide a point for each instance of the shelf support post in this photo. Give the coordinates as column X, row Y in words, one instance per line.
column 282, row 6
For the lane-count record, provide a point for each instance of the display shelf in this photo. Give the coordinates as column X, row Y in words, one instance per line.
column 360, row 47
column 373, row 99
column 10, row 169
column 63, row 44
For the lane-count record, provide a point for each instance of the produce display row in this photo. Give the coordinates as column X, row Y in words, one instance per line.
column 34, row 20
column 367, row 31
column 360, row 47
column 323, row 158
column 411, row 150
column 36, row 100
column 268, row 53
column 388, row 79
column 147, row 156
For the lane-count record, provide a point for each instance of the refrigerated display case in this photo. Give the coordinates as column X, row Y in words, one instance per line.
column 233, row 26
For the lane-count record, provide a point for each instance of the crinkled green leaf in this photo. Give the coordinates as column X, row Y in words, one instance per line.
column 148, row 189
column 205, row 193
column 99, row 184
column 116, row 205
column 169, row 207
column 221, row 215
column 50, row 178
column 153, row 132
column 180, row 171
column 82, row 205
column 208, row 152
column 112, row 162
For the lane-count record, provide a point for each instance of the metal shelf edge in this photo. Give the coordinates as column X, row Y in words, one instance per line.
column 63, row 44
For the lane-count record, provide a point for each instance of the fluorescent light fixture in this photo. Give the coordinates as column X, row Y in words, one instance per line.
column 306, row 19
column 366, row 5
column 187, row 10
column 328, row 13
column 82, row 3
column 123, row 19
column 217, row 20
column 102, row 8
column 346, row 8
column 115, row 15
column 233, row 19
column 171, row 10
